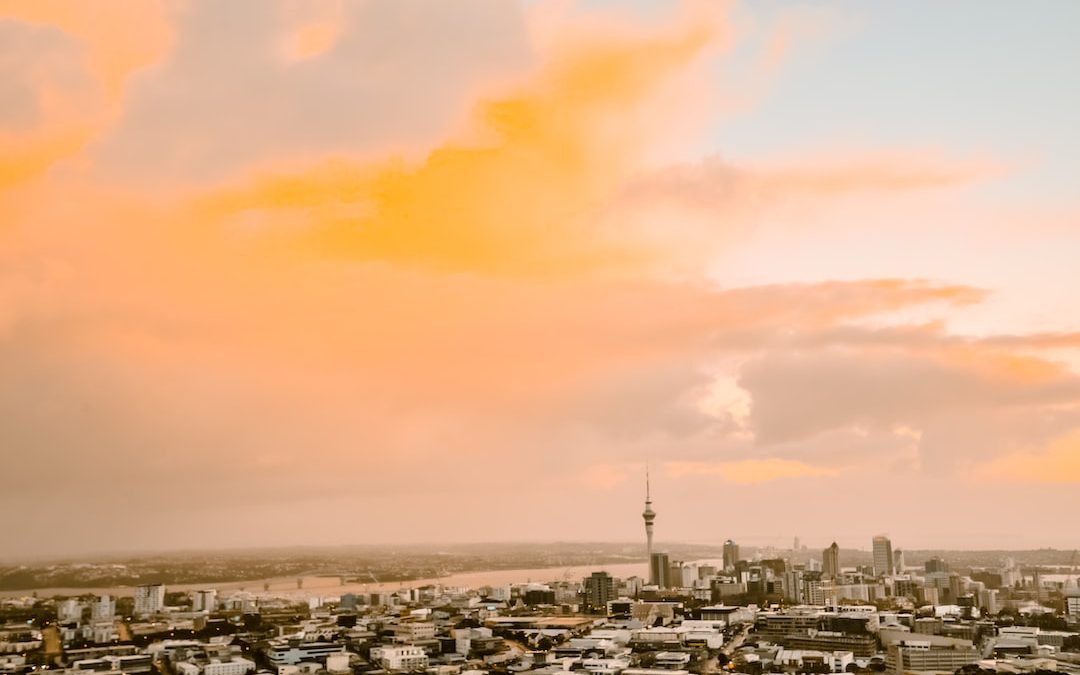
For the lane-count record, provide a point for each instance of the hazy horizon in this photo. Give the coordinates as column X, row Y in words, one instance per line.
column 812, row 549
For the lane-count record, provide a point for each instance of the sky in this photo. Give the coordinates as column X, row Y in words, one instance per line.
column 277, row 272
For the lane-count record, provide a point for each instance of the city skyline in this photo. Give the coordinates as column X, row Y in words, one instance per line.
column 317, row 273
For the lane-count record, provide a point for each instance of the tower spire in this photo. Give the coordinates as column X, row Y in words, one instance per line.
column 647, row 498
column 648, row 515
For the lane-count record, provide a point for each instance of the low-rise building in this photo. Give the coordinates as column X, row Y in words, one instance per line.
column 400, row 658
column 292, row 652
column 915, row 655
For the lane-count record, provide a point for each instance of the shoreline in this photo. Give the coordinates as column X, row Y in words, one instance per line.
column 315, row 585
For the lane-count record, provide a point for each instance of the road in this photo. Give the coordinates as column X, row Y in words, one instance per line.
column 737, row 641
column 712, row 664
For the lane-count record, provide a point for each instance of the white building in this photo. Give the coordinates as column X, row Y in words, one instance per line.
column 292, row 653
column 605, row 666
column 99, row 632
column 988, row 601
column 911, row 655
column 400, row 658
column 68, row 610
column 411, row 631
column 1072, row 604
column 237, row 665
column 836, row 662
column 103, row 609
column 204, row 600
column 149, row 599
column 337, row 663
column 463, row 638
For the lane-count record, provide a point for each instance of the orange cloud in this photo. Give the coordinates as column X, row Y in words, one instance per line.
column 311, row 40
column 113, row 49
column 749, row 471
column 517, row 197
column 602, row 477
column 27, row 156
column 1058, row 462
column 313, row 28
column 118, row 38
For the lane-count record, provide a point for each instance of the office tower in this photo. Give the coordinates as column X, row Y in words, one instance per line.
column 898, row 561
column 813, row 593
column 675, row 574
column 1072, row 604
column 883, row 557
column 935, row 564
column 104, row 608
column 599, row 589
column 795, row 544
column 955, row 589
column 204, row 600
column 149, row 599
column 649, row 516
column 660, row 570
column 69, row 610
column 793, row 586
column 731, row 555
column 830, row 561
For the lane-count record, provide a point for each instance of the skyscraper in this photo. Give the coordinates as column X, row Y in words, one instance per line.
column 898, row 561
column 731, row 554
column 599, row 589
column 660, row 570
column 830, row 561
column 149, row 599
column 883, row 556
column 103, row 608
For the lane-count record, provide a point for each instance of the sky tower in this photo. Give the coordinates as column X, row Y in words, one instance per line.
column 649, row 515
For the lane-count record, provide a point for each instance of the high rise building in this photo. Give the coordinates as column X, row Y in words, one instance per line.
column 204, row 600
column 898, row 561
column 883, row 556
column 599, row 589
column 830, row 561
column 1072, row 604
column 988, row 601
column 793, row 586
column 149, row 599
column 660, row 570
column 935, row 564
column 69, row 610
column 731, row 555
column 103, row 608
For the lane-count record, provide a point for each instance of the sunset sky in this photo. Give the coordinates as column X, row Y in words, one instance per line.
column 282, row 272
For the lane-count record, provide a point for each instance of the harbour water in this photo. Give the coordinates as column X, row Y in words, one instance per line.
column 331, row 586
